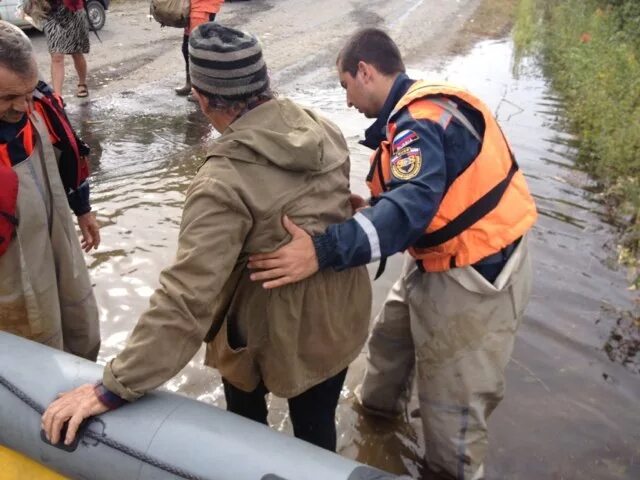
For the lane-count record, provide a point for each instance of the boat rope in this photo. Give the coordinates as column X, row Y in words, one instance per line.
column 102, row 438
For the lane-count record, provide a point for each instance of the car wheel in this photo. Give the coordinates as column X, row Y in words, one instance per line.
column 97, row 15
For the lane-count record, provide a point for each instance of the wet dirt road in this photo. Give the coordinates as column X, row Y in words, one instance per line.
column 300, row 37
column 571, row 409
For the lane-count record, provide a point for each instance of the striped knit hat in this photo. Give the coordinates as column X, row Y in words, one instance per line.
column 226, row 62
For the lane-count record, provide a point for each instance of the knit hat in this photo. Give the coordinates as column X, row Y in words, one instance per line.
column 226, row 62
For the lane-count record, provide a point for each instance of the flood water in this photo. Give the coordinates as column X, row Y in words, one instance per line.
column 572, row 407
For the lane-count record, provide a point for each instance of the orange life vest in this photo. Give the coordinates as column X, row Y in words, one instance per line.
column 486, row 208
column 8, row 202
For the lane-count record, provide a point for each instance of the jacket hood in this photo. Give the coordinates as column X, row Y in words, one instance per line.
column 285, row 134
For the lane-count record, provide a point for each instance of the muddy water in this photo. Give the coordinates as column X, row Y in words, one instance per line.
column 570, row 410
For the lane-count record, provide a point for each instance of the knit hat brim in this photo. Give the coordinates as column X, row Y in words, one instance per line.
column 226, row 62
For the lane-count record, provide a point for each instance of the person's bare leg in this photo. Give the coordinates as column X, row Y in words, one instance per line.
column 57, row 72
column 81, row 67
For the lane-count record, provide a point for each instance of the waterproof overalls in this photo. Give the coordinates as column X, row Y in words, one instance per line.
column 443, row 322
column 45, row 291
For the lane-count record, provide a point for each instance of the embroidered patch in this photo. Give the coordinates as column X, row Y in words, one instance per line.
column 404, row 151
column 406, row 163
column 404, row 138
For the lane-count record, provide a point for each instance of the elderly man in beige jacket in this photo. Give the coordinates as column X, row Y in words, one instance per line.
column 273, row 158
column 45, row 289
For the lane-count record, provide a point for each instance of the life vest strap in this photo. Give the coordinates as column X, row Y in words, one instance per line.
column 376, row 168
column 10, row 218
column 381, row 267
column 8, row 201
column 470, row 216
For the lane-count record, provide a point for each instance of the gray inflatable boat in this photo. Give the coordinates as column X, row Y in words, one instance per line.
column 161, row 436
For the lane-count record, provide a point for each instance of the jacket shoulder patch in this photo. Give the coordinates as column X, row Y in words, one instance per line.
column 406, row 163
column 404, row 138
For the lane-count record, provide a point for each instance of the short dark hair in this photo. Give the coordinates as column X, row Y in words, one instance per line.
column 373, row 46
column 16, row 52
column 218, row 102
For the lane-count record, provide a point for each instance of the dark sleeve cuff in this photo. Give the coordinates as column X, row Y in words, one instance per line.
column 79, row 199
column 83, row 148
column 107, row 397
column 325, row 248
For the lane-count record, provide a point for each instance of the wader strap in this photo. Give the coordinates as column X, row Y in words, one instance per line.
column 45, row 174
column 470, row 216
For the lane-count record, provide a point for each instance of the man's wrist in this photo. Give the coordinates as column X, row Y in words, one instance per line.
column 79, row 199
column 325, row 248
column 107, row 397
column 83, row 212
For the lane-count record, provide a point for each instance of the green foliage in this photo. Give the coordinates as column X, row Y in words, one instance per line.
column 526, row 31
column 592, row 51
column 627, row 15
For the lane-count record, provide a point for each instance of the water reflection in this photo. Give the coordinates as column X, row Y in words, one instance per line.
column 571, row 409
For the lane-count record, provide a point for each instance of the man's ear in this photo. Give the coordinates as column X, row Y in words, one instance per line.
column 362, row 69
column 366, row 71
column 202, row 100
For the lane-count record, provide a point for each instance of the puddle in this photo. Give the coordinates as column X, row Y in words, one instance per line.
column 571, row 405
column 571, row 409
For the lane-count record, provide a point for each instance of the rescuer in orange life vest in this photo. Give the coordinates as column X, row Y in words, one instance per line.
column 446, row 187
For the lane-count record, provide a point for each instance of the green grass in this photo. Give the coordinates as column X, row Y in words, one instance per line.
column 591, row 50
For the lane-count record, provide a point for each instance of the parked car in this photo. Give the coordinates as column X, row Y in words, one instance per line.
column 9, row 12
column 96, row 11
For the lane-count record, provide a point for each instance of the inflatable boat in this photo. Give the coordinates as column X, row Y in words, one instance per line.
column 161, row 436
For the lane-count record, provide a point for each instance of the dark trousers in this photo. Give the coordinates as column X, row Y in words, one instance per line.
column 185, row 54
column 185, row 48
column 312, row 412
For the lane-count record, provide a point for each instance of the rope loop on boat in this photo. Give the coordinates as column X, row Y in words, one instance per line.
column 101, row 437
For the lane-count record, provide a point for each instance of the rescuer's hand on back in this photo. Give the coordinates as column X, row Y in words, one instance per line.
column 291, row 263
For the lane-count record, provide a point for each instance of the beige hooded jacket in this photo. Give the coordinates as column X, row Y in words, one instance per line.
column 275, row 159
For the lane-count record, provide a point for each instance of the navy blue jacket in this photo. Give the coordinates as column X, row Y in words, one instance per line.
column 399, row 216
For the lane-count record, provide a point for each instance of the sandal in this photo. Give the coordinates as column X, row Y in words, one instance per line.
column 82, row 91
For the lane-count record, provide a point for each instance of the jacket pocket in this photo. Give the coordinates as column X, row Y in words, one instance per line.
column 233, row 358
column 234, row 340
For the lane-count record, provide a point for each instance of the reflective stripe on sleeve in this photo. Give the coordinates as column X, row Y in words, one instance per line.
column 370, row 230
column 451, row 108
